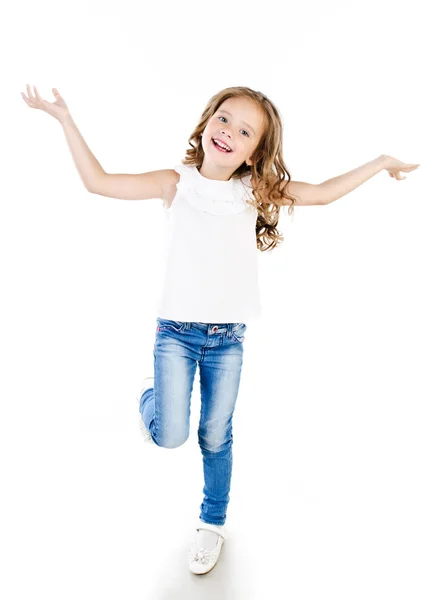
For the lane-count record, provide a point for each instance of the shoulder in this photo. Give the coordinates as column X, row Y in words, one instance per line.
column 170, row 177
column 170, row 180
column 283, row 185
column 165, row 178
column 254, row 181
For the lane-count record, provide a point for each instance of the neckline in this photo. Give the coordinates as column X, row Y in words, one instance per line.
column 216, row 181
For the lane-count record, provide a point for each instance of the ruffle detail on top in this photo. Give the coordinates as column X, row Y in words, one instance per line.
column 213, row 196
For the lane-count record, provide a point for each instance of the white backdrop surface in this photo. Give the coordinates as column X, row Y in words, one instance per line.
column 330, row 492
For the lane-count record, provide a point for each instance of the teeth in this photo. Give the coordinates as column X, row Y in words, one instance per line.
column 222, row 145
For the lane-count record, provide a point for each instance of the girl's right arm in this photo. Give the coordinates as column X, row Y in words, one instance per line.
column 142, row 186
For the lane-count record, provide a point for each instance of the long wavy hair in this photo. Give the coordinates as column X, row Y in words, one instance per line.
column 268, row 169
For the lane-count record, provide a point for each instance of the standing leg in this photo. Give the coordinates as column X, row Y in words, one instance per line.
column 220, row 374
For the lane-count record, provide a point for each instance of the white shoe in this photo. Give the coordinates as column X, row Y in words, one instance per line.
column 202, row 560
column 147, row 383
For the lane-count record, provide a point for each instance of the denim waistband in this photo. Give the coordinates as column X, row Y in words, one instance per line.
column 210, row 328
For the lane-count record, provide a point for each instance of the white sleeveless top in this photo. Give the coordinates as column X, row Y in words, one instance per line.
column 210, row 272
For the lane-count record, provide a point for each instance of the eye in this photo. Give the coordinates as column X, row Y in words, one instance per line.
column 248, row 135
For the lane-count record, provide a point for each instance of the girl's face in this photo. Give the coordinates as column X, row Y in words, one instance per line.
column 238, row 123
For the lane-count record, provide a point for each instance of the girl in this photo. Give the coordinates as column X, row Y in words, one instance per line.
column 221, row 204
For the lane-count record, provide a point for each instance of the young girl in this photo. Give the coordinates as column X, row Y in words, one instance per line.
column 221, row 205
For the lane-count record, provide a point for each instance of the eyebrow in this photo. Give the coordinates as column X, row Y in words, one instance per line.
column 228, row 113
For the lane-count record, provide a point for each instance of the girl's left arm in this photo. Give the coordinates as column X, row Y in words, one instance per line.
column 336, row 187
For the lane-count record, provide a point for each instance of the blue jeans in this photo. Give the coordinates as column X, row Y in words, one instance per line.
column 165, row 408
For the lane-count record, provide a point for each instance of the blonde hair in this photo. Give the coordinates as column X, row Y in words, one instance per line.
column 268, row 169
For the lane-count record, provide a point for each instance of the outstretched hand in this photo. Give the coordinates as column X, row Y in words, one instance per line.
column 394, row 166
column 58, row 109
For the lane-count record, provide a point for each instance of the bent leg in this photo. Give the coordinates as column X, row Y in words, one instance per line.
column 165, row 408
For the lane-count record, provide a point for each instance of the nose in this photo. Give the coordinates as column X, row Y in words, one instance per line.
column 226, row 132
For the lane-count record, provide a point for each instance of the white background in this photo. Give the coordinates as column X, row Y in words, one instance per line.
column 331, row 488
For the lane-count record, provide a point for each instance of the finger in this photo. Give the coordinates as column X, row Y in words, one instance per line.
column 36, row 93
column 28, row 98
column 29, row 93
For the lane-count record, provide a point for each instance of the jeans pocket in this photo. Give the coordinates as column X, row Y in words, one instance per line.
column 238, row 332
column 166, row 324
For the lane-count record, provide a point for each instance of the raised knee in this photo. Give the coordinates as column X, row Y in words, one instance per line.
column 173, row 442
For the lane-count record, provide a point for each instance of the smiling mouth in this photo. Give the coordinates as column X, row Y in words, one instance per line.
column 219, row 147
